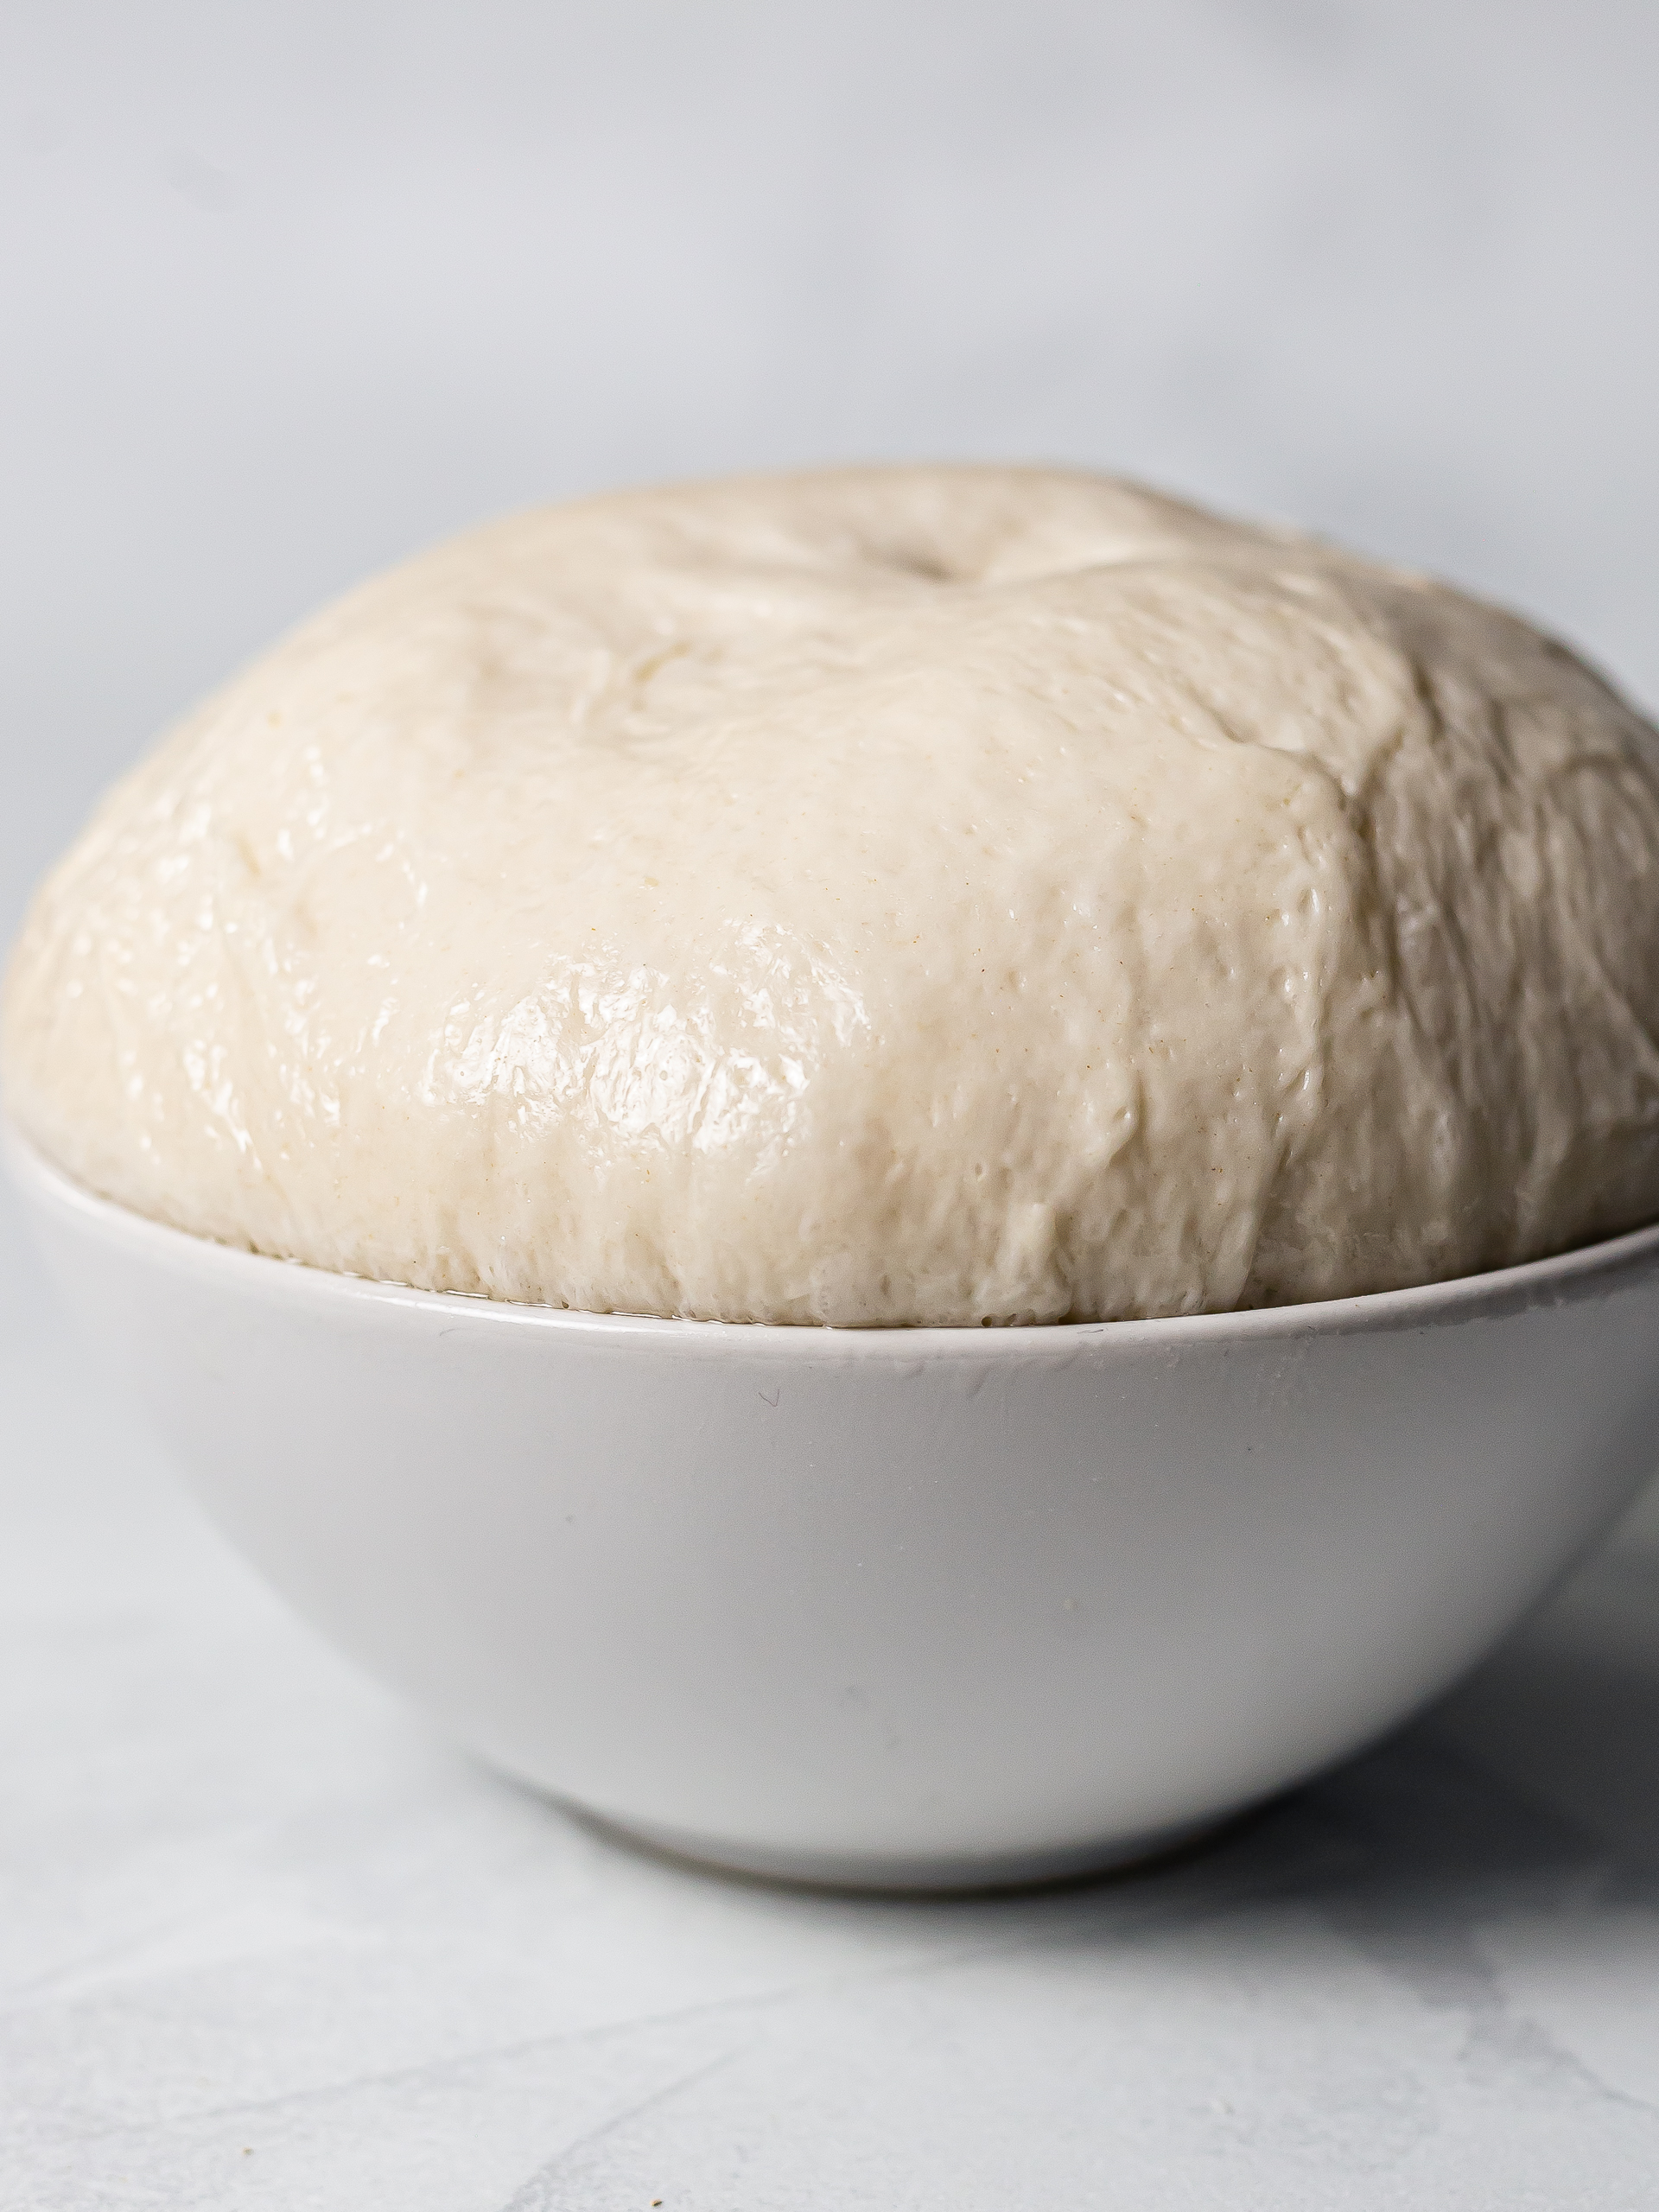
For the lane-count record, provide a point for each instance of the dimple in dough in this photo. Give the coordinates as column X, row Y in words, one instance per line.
column 924, row 895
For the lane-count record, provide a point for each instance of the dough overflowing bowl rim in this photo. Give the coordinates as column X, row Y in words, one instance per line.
column 1586, row 1269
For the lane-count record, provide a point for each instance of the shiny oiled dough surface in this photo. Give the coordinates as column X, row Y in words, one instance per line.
column 896, row 896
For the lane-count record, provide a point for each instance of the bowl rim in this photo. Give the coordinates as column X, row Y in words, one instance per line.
column 1593, row 1270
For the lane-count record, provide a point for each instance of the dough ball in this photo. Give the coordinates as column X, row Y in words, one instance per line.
column 921, row 895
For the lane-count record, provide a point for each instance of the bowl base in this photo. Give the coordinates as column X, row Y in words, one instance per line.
column 902, row 1872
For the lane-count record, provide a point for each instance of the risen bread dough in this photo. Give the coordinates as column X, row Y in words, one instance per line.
column 922, row 895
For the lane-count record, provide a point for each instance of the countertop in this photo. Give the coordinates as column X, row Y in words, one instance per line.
column 266, row 1943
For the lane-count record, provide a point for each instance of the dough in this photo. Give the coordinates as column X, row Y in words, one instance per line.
column 925, row 895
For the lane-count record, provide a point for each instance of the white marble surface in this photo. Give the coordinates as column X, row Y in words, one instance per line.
column 290, row 288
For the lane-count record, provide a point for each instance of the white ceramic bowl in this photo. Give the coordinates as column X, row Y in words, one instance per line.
column 914, row 1607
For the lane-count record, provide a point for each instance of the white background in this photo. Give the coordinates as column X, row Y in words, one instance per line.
column 287, row 290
